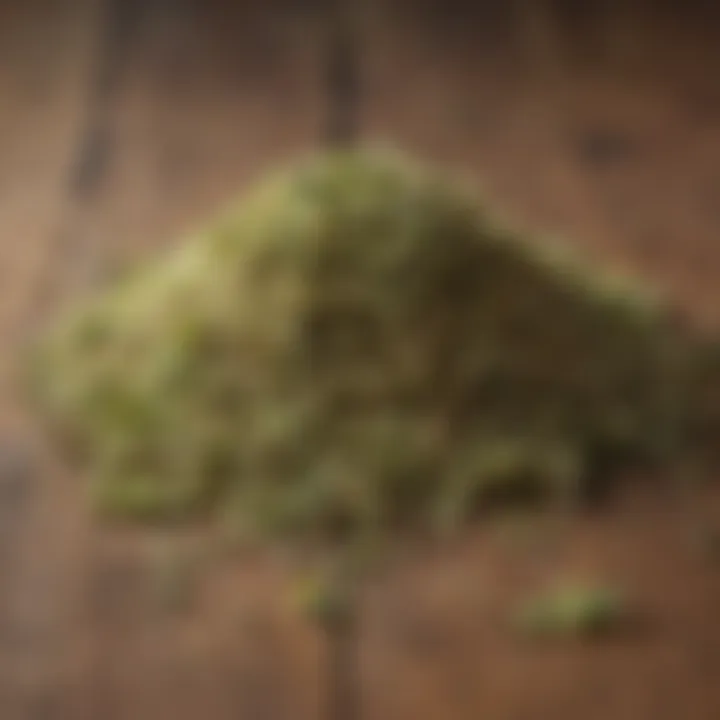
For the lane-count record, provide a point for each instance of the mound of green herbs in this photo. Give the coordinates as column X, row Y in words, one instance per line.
column 358, row 343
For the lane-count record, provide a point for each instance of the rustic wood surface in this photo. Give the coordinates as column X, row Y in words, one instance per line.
column 614, row 146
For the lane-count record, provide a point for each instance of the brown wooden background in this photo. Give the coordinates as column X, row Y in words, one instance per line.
column 603, row 129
